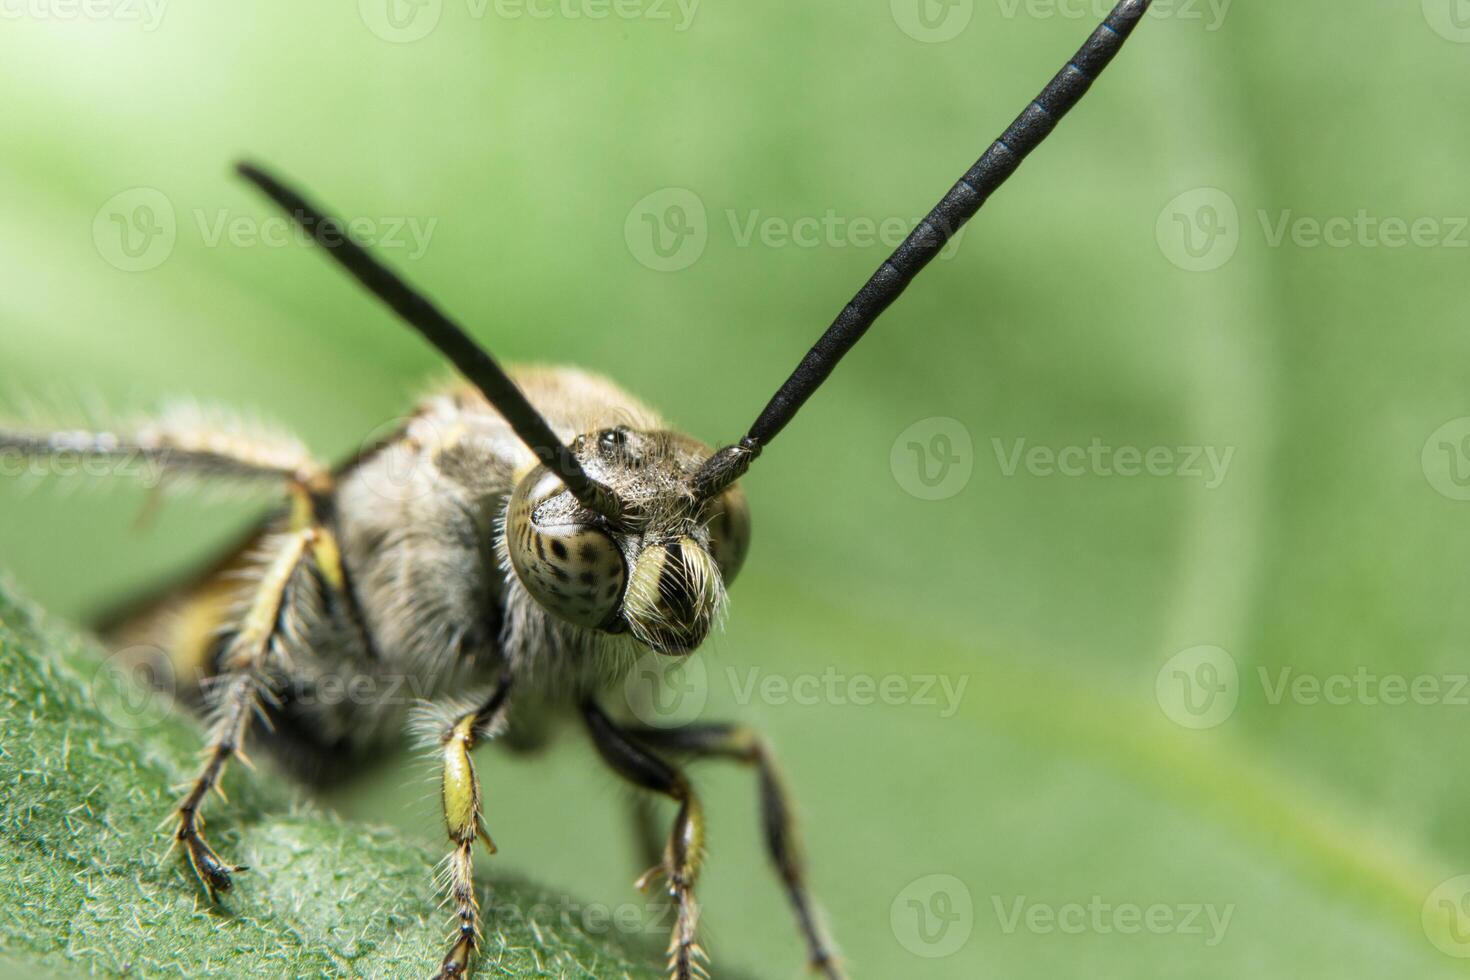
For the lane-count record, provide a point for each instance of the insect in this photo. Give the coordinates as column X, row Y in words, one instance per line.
column 551, row 531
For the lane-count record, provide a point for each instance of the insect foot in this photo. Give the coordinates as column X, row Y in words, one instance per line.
column 213, row 873
column 687, row 958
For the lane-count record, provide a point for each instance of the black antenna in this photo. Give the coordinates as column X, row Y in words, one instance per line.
column 473, row 361
column 1031, row 128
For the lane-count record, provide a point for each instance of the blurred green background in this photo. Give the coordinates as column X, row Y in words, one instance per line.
column 1132, row 287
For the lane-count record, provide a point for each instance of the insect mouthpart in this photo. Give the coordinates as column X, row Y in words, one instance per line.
column 674, row 596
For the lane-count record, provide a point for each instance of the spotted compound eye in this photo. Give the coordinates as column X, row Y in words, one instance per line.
column 729, row 531
column 572, row 569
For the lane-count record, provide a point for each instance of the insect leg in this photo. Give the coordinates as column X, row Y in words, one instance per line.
column 684, row 851
column 247, row 668
column 179, row 443
column 463, row 820
column 746, row 746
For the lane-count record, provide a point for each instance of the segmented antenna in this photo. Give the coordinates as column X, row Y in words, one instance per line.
column 473, row 361
column 1030, row 130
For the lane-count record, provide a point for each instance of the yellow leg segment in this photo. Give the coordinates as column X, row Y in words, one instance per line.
column 245, row 673
column 464, row 822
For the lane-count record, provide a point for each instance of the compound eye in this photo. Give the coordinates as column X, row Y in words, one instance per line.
column 728, row 518
column 574, row 570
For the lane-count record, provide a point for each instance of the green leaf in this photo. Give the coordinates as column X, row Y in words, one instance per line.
column 85, row 883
